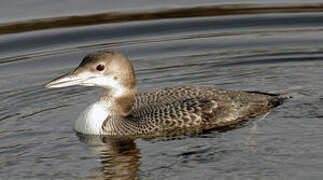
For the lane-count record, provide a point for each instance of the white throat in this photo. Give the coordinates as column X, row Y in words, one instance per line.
column 91, row 120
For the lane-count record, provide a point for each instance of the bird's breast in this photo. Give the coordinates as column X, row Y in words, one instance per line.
column 91, row 120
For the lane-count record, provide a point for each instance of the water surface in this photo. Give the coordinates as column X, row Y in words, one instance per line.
column 246, row 47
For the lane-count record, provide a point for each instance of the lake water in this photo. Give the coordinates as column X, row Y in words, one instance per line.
column 271, row 46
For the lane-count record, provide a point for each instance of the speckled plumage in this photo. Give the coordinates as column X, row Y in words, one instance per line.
column 177, row 108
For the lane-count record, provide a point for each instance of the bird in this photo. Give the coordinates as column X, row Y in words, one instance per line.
column 121, row 111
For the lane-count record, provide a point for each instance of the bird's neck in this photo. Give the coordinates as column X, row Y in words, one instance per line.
column 120, row 104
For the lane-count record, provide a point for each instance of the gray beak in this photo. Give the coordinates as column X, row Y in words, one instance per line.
column 69, row 79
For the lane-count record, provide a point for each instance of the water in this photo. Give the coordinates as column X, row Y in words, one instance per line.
column 244, row 47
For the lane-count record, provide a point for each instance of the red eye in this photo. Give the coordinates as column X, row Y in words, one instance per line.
column 100, row 67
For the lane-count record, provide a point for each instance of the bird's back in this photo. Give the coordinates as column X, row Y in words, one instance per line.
column 174, row 108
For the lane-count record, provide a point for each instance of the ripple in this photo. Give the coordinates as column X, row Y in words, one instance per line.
column 271, row 48
column 117, row 17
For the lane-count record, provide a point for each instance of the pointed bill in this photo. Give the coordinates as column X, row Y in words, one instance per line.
column 63, row 81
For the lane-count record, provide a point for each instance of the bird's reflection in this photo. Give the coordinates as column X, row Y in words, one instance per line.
column 119, row 157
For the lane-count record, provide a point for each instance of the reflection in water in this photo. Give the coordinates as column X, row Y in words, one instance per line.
column 119, row 157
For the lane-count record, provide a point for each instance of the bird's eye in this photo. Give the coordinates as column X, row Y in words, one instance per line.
column 100, row 67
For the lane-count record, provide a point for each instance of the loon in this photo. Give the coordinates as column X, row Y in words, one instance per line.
column 120, row 111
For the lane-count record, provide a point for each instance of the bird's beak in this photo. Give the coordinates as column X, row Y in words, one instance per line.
column 69, row 79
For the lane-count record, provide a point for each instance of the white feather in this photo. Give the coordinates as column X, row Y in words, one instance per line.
column 91, row 120
column 106, row 81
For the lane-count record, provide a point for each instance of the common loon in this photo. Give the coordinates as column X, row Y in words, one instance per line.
column 122, row 112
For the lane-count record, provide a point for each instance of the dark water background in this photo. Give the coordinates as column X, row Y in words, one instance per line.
column 272, row 46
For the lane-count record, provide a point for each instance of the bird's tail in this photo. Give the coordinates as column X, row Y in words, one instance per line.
column 276, row 99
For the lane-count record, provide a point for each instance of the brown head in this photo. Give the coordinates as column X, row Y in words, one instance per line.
column 107, row 69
